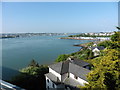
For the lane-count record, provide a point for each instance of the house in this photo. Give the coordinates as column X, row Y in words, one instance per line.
column 95, row 44
column 67, row 74
column 96, row 50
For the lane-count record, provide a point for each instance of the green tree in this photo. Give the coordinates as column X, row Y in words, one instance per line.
column 106, row 73
column 116, row 36
column 105, row 43
column 31, row 77
column 116, row 40
column 33, row 63
column 62, row 57
column 118, row 28
column 85, row 54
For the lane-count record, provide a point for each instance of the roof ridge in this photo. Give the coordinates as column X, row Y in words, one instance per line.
column 64, row 64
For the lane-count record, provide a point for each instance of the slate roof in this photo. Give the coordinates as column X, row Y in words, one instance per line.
column 71, row 65
column 63, row 67
column 79, row 62
column 78, row 71
column 98, row 47
column 72, row 82
column 56, row 67
column 52, row 77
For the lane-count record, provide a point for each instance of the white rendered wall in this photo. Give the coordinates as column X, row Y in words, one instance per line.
column 55, row 73
column 50, row 84
column 96, row 51
column 81, row 81
column 71, row 75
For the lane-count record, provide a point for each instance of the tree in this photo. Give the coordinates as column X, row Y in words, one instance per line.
column 62, row 57
column 33, row 63
column 31, row 77
column 118, row 28
column 85, row 54
column 116, row 36
column 105, row 43
column 116, row 40
column 106, row 73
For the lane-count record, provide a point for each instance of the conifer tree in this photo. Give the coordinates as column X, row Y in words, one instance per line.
column 33, row 63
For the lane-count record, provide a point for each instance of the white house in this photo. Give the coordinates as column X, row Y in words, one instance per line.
column 96, row 50
column 95, row 44
column 67, row 74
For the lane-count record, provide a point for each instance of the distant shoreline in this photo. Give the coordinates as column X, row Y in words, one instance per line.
column 87, row 38
column 75, row 38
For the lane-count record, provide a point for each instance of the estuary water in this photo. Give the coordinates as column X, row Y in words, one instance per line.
column 18, row 52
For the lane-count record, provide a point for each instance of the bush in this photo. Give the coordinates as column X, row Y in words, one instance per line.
column 31, row 78
column 105, row 44
column 62, row 57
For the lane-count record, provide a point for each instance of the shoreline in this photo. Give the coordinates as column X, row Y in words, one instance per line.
column 84, row 45
column 87, row 38
column 75, row 38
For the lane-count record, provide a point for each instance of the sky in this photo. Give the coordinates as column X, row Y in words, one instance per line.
column 59, row 17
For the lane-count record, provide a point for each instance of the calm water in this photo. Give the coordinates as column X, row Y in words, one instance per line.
column 18, row 52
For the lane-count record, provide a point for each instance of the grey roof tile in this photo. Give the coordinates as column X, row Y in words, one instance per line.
column 79, row 62
column 63, row 67
column 99, row 47
column 72, row 82
column 56, row 67
column 52, row 77
column 78, row 71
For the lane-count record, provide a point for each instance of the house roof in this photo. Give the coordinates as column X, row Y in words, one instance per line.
column 78, row 71
column 79, row 62
column 56, row 67
column 72, row 82
column 63, row 67
column 72, row 66
column 52, row 77
column 98, row 47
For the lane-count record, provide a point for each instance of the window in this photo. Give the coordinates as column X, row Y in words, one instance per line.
column 53, row 85
column 48, row 80
column 75, row 77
